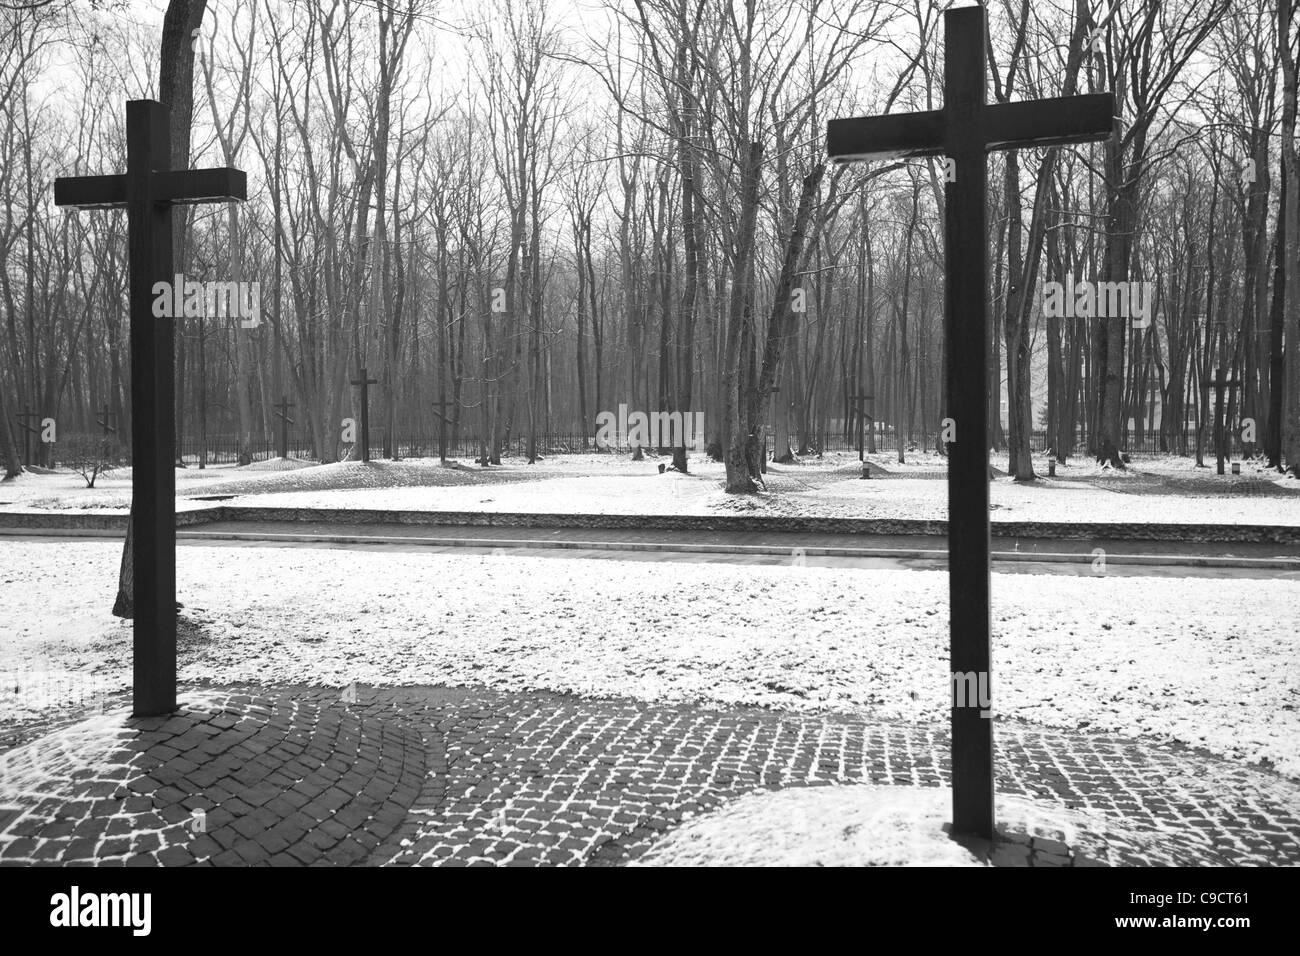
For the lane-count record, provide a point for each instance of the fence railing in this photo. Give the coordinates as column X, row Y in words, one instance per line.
column 1151, row 443
column 224, row 449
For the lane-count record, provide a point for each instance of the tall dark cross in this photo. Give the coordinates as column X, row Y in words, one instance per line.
column 1219, row 383
column 365, row 381
column 438, row 409
column 862, row 416
column 104, row 421
column 963, row 132
column 282, row 412
column 147, row 191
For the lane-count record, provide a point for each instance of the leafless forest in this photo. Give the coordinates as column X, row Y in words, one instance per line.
column 522, row 212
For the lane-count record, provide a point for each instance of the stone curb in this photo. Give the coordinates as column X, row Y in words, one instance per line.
column 11, row 521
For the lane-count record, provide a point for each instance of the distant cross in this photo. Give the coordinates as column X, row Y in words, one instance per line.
column 365, row 382
column 282, row 412
column 1219, row 383
column 103, row 421
column 963, row 132
column 25, row 420
column 862, row 416
column 442, row 425
column 772, row 416
column 147, row 191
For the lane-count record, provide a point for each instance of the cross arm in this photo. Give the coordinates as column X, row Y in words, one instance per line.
column 223, row 184
column 91, row 192
column 1060, row 121
column 885, row 137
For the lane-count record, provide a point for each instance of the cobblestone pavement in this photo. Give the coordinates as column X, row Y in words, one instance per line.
column 234, row 779
column 433, row 776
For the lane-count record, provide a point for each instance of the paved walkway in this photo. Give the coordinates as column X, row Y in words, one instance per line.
column 297, row 775
column 1011, row 554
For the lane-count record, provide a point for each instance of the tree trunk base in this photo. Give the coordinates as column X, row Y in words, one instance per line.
column 1110, row 456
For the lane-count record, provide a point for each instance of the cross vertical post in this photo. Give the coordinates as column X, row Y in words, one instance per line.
column 147, row 192
column 365, row 381
column 282, row 412
column 966, row 332
column 153, row 423
column 963, row 132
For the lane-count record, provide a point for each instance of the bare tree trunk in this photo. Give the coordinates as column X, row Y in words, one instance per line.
column 738, row 360
column 1273, row 441
column 781, row 326
column 1290, row 248
column 579, row 225
column 8, row 449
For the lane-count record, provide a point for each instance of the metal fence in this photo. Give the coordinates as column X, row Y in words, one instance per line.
column 1149, row 444
column 223, row 449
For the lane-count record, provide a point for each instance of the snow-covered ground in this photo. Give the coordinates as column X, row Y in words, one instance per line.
column 1152, row 490
column 819, row 826
column 865, row 825
column 64, row 489
column 1206, row 663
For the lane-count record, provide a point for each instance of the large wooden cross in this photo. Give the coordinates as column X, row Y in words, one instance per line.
column 963, row 132
column 147, row 191
column 365, row 381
